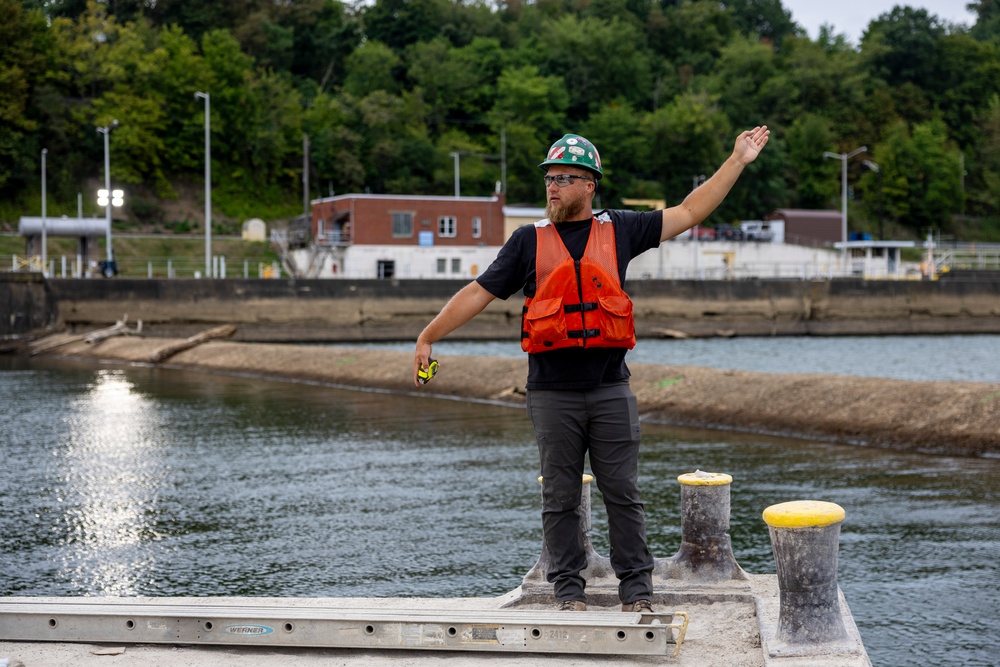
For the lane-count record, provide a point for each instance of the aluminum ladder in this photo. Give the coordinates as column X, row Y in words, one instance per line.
column 191, row 621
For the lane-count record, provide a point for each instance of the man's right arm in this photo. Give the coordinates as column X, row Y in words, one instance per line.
column 466, row 304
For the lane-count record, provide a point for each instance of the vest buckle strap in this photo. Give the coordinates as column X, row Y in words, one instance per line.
column 584, row 333
column 580, row 307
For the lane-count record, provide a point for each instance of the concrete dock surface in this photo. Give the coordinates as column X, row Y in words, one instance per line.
column 730, row 624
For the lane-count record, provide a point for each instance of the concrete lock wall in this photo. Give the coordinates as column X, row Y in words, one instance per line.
column 355, row 310
column 26, row 304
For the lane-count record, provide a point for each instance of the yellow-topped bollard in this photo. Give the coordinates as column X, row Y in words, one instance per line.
column 706, row 552
column 597, row 565
column 805, row 536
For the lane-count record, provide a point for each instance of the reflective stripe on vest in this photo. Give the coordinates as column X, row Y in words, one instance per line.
column 577, row 303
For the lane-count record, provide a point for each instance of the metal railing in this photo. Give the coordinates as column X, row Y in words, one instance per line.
column 33, row 263
column 147, row 267
column 961, row 259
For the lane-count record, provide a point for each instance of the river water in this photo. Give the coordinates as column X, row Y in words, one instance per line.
column 145, row 481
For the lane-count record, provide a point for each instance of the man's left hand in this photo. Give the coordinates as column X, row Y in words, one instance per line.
column 750, row 143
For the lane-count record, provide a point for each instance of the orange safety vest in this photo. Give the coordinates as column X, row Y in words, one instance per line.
column 576, row 303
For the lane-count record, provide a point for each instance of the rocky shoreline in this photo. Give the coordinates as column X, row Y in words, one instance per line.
column 957, row 418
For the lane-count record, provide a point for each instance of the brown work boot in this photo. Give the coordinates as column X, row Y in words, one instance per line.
column 572, row 605
column 641, row 606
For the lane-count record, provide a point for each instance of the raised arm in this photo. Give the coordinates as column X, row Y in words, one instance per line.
column 703, row 200
column 466, row 304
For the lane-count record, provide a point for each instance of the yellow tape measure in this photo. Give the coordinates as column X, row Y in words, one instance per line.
column 425, row 375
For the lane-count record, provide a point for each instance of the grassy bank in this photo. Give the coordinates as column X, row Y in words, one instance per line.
column 138, row 255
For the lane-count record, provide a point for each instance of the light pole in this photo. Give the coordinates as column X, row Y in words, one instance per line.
column 458, row 177
column 45, row 260
column 106, row 131
column 878, row 171
column 844, row 157
column 503, row 166
column 503, row 159
column 305, row 174
column 208, row 184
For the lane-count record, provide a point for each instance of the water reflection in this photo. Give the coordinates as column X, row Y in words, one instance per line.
column 108, row 471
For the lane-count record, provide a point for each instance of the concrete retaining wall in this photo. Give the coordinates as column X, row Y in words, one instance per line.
column 26, row 305
column 354, row 310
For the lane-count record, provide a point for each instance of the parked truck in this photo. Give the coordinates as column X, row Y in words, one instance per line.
column 767, row 231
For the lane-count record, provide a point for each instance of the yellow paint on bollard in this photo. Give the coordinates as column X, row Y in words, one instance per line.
column 701, row 478
column 803, row 514
column 587, row 479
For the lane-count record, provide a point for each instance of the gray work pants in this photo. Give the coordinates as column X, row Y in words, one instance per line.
column 604, row 422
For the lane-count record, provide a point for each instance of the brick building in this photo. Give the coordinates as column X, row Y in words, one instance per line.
column 404, row 236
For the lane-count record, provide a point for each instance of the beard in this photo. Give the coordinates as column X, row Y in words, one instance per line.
column 566, row 211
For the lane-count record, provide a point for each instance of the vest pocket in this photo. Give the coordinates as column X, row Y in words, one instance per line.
column 617, row 322
column 545, row 322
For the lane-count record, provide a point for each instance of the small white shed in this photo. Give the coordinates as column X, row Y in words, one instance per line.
column 254, row 229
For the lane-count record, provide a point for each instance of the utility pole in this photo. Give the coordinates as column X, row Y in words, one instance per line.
column 208, row 184
column 458, row 176
column 45, row 259
column 305, row 174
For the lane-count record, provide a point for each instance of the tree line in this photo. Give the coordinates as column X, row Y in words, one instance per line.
column 390, row 92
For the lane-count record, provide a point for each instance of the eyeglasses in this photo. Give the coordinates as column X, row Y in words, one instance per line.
column 562, row 180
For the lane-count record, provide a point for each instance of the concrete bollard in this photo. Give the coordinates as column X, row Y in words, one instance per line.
column 804, row 537
column 706, row 552
column 597, row 565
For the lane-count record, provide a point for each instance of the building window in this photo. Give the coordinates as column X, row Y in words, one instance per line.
column 386, row 268
column 402, row 224
column 447, row 226
column 477, row 227
column 456, row 265
column 442, row 265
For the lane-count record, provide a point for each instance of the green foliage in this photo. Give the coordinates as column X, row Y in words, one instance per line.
column 531, row 108
column 594, row 56
column 624, row 153
column 922, row 183
column 903, row 45
column 26, row 44
column 766, row 18
column 399, row 23
column 814, row 178
column 687, row 138
column 751, row 85
column 690, row 35
column 984, row 190
column 388, row 91
column 145, row 210
column 371, row 68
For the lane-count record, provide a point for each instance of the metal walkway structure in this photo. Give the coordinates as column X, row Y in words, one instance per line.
column 184, row 621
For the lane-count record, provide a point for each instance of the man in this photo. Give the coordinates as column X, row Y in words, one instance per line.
column 577, row 325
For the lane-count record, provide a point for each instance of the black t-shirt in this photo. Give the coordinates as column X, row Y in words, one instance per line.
column 514, row 270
